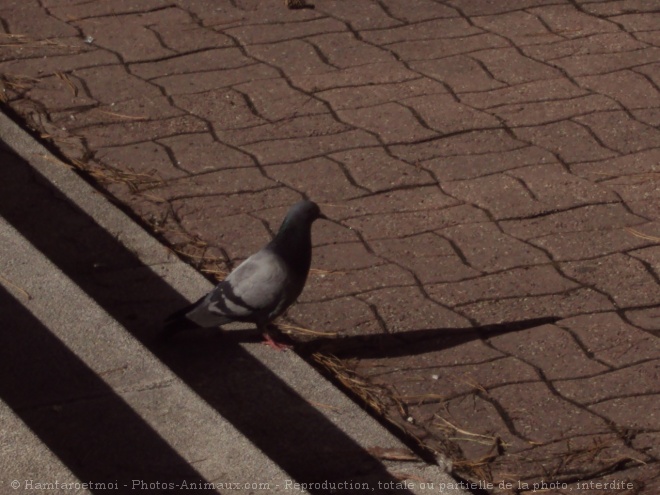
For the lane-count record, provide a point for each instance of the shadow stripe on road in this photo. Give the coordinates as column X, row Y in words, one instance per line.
column 92, row 430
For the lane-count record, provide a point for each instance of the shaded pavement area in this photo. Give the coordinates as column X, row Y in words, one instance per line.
column 491, row 269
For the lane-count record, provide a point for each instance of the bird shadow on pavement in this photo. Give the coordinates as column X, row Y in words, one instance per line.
column 412, row 342
column 379, row 345
column 294, row 434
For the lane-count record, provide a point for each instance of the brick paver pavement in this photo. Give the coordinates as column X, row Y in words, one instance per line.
column 484, row 162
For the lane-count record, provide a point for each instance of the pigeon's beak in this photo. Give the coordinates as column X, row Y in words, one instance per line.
column 321, row 215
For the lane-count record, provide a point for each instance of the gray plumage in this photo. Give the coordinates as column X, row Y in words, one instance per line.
column 264, row 285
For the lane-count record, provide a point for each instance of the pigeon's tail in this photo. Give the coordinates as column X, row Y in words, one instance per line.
column 178, row 322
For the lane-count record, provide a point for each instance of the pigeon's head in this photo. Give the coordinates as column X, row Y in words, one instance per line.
column 303, row 213
column 293, row 240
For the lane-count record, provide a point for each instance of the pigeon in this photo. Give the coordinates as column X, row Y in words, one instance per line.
column 263, row 286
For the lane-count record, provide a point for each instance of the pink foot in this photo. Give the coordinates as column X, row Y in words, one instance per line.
column 278, row 346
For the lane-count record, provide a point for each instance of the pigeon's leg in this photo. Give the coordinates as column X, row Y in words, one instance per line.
column 270, row 342
column 278, row 346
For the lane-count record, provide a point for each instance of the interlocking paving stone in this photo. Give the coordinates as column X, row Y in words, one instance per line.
column 460, row 144
column 370, row 95
column 470, row 8
column 132, row 37
column 200, row 82
column 563, row 305
column 531, row 191
column 322, row 315
column 357, row 281
column 128, row 132
column 436, row 262
column 620, row 276
column 198, row 61
column 460, row 72
column 609, row 385
column 276, row 100
column 433, row 30
column 635, row 412
column 444, row 47
column 372, row 73
column 442, row 113
column 361, row 16
column 552, row 351
column 420, row 314
column 567, row 21
column 219, row 206
column 650, row 117
column 648, row 319
column 74, row 11
column 603, row 63
column 375, row 170
column 650, row 257
column 256, row 34
column 198, row 153
column 291, row 128
column 218, row 183
column 418, row 10
column 586, row 218
column 342, row 50
column 223, row 108
column 616, row 8
column 398, row 200
column 617, row 131
column 522, row 27
column 635, row 164
column 482, row 163
column 611, row 340
column 141, row 158
column 541, row 279
column 530, row 92
column 59, row 94
column 461, row 380
column 546, row 112
column 501, row 61
column 569, row 140
column 401, row 224
column 300, row 148
column 459, row 167
column 640, row 21
column 195, row 37
column 626, row 87
column 527, row 420
column 38, row 67
column 391, row 122
column 19, row 19
column 487, row 248
column 589, row 244
column 321, row 177
column 650, row 70
column 142, row 108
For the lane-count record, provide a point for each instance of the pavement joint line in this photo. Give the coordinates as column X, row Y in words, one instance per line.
column 293, row 371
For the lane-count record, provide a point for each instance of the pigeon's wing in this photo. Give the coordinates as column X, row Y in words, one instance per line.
column 254, row 290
